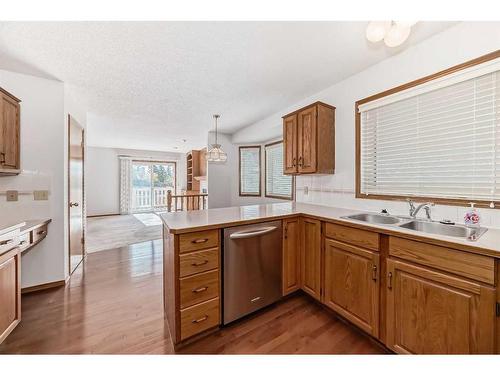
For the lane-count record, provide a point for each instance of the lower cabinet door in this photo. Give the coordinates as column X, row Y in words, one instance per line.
column 291, row 255
column 311, row 257
column 429, row 312
column 352, row 285
column 10, row 292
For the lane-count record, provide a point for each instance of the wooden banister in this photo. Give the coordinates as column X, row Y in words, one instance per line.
column 187, row 202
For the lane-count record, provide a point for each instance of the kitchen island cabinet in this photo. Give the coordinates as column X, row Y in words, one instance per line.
column 413, row 292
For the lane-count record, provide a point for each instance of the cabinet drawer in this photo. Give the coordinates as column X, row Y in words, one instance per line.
column 199, row 288
column 473, row 266
column 199, row 318
column 9, row 241
column 198, row 240
column 198, row 261
column 359, row 237
column 38, row 234
column 24, row 241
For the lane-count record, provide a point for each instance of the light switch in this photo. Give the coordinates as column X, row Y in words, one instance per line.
column 12, row 195
column 41, row 195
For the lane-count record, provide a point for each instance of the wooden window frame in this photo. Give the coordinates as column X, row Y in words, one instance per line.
column 292, row 197
column 445, row 201
column 260, row 171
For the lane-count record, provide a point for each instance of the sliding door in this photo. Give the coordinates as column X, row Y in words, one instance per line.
column 150, row 183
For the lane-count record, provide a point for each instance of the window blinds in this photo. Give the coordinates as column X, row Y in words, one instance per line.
column 250, row 170
column 277, row 184
column 443, row 143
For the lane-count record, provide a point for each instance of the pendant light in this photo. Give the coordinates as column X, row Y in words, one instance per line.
column 215, row 154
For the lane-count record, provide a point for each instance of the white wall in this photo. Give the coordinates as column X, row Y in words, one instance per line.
column 223, row 179
column 103, row 176
column 453, row 46
column 42, row 163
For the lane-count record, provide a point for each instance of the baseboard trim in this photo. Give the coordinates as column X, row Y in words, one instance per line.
column 36, row 288
column 102, row 215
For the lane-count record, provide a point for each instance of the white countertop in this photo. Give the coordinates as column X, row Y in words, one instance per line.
column 9, row 226
column 188, row 221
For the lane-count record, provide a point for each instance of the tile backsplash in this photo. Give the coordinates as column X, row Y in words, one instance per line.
column 338, row 191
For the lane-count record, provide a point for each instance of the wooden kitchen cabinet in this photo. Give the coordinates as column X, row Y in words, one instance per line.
column 309, row 140
column 351, row 284
column 290, row 144
column 311, row 257
column 431, row 312
column 9, row 134
column 10, row 291
column 291, row 255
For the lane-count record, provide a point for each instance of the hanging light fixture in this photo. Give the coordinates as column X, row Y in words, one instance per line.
column 216, row 154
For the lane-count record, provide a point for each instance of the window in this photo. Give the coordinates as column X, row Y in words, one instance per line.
column 150, row 182
column 250, row 171
column 278, row 185
column 439, row 138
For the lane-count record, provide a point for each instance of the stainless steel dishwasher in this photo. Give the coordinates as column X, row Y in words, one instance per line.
column 252, row 268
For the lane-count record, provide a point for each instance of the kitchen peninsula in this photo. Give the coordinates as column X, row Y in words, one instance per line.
column 413, row 291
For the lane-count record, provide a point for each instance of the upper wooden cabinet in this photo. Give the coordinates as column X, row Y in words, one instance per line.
column 309, row 140
column 9, row 134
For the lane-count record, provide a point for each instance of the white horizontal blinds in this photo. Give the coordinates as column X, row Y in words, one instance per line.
column 277, row 184
column 250, row 170
column 443, row 143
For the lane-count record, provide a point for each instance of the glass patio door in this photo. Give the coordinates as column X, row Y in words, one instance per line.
column 150, row 183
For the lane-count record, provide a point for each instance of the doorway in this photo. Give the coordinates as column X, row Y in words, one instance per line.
column 151, row 180
column 76, row 162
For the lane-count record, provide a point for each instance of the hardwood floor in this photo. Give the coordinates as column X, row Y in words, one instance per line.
column 114, row 305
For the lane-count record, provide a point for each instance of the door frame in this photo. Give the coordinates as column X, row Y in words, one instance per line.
column 68, row 195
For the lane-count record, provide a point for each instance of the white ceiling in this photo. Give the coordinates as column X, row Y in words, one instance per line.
column 149, row 85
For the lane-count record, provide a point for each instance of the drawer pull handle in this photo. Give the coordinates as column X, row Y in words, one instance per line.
column 41, row 233
column 389, row 284
column 374, row 273
column 202, row 240
column 202, row 319
column 199, row 264
column 6, row 242
column 22, row 242
column 199, row 290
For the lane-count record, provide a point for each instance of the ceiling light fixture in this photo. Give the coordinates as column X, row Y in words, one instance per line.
column 216, row 154
column 394, row 33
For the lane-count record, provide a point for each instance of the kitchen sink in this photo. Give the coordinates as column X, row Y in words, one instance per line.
column 374, row 218
column 452, row 230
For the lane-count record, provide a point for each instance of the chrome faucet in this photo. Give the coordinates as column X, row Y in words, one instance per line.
column 415, row 210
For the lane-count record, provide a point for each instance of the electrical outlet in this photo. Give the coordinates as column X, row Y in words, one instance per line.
column 12, row 195
column 41, row 195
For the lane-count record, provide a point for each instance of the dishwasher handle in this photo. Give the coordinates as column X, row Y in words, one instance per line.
column 253, row 233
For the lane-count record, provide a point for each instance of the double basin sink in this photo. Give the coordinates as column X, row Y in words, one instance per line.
column 426, row 226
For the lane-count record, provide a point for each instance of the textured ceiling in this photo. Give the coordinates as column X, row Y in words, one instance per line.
column 149, row 85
